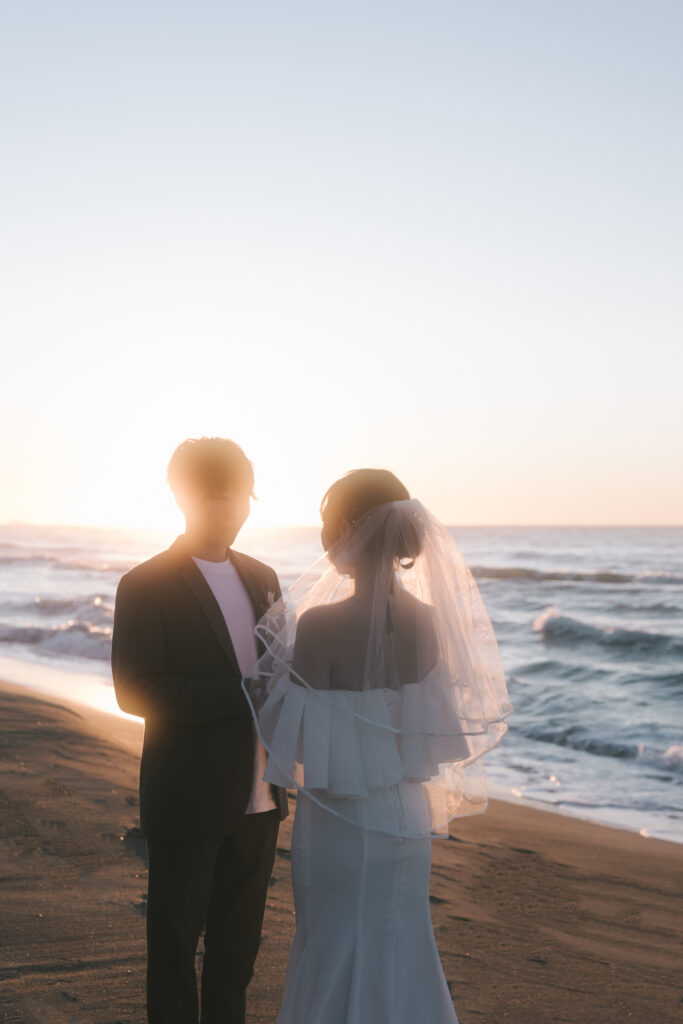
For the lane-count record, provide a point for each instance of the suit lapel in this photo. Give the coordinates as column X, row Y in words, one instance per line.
column 194, row 580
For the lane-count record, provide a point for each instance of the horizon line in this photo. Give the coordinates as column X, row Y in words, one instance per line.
column 316, row 525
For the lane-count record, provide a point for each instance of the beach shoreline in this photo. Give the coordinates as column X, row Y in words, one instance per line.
column 589, row 625
column 538, row 916
column 96, row 691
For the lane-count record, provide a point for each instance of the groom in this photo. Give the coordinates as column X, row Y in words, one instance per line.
column 183, row 638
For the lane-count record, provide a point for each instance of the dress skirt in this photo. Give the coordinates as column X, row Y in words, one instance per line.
column 364, row 949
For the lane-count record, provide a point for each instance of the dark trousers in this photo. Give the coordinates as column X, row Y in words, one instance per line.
column 219, row 885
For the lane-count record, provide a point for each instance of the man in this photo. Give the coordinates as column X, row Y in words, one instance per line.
column 183, row 638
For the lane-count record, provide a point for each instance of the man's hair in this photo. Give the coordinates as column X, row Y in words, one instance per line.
column 205, row 466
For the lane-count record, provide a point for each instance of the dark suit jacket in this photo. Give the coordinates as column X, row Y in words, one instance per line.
column 174, row 664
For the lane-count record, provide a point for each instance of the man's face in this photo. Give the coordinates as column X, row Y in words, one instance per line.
column 219, row 517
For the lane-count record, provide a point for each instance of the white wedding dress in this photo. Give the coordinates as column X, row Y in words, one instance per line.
column 364, row 949
column 378, row 691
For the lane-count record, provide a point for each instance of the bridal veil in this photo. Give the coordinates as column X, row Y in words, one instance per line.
column 381, row 685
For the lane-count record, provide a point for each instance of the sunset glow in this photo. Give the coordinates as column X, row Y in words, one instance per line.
column 429, row 264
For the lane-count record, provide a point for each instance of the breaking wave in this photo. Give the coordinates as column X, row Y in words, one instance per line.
column 563, row 629
column 72, row 639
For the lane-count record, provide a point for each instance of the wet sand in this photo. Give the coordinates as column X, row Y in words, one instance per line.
column 539, row 918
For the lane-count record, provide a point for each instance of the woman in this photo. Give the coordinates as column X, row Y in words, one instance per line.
column 380, row 689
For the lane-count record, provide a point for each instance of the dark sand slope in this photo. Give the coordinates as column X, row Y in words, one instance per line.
column 538, row 918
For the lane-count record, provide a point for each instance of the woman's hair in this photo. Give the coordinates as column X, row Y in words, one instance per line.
column 357, row 493
column 208, row 465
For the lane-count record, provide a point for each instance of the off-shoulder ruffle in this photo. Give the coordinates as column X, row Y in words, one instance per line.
column 351, row 743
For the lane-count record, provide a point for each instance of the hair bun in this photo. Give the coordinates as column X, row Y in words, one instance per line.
column 410, row 532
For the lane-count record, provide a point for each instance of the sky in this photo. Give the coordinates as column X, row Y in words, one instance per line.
column 443, row 238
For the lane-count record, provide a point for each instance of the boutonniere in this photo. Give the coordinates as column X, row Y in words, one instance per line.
column 263, row 607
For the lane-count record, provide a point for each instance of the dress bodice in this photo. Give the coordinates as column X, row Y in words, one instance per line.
column 354, row 742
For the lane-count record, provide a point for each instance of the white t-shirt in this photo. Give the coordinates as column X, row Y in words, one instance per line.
column 238, row 613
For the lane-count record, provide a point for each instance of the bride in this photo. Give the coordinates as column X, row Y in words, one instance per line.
column 379, row 690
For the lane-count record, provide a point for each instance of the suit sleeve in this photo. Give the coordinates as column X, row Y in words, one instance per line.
column 142, row 682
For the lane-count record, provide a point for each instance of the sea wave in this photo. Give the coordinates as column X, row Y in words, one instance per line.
column 653, row 683
column 68, row 564
column 669, row 758
column 554, row 669
column 564, row 629
column 514, row 572
column 90, row 606
column 657, row 608
column 72, row 639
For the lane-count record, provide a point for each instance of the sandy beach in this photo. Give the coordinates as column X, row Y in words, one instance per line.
column 539, row 918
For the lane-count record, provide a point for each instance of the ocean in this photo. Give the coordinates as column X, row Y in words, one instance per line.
column 589, row 621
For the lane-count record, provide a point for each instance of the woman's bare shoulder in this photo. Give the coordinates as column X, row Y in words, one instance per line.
column 420, row 609
column 323, row 616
